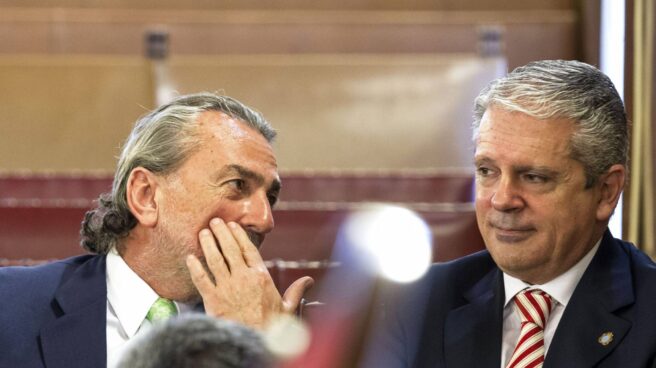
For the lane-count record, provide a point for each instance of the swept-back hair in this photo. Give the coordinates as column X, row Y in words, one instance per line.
column 552, row 89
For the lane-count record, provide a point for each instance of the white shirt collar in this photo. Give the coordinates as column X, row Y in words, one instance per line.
column 560, row 289
column 129, row 296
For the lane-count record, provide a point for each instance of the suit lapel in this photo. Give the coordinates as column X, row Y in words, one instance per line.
column 589, row 318
column 77, row 338
column 472, row 332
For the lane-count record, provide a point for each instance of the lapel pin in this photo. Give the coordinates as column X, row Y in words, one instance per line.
column 605, row 338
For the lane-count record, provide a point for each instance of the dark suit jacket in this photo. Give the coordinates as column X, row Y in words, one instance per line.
column 54, row 315
column 453, row 316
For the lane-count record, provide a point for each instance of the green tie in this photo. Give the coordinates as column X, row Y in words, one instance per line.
column 161, row 310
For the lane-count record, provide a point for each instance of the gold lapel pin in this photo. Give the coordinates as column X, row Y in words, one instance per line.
column 605, row 338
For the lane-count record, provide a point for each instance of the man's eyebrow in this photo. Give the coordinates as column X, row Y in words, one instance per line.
column 248, row 174
column 546, row 170
column 483, row 160
column 541, row 169
column 238, row 170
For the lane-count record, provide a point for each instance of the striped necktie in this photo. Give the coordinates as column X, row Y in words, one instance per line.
column 161, row 310
column 533, row 307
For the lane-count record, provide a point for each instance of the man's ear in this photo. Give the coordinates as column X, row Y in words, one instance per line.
column 611, row 186
column 141, row 193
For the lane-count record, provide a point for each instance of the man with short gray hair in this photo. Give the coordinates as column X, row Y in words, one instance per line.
column 553, row 288
column 190, row 205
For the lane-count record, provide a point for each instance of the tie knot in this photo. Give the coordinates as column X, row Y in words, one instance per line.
column 533, row 306
column 161, row 310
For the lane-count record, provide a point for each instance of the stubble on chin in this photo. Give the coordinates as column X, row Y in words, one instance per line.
column 172, row 266
column 519, row 261
column 255, row 238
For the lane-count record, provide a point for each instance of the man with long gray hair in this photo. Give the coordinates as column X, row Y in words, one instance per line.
column 554, row 288
column 190, row 204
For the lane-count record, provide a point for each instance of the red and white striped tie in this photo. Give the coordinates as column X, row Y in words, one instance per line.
column 533, row 307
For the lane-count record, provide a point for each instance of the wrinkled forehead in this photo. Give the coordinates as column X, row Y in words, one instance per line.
column 512, row 130
column 232, row 141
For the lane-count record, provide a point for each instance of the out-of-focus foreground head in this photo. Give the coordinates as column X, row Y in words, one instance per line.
column 198, row 341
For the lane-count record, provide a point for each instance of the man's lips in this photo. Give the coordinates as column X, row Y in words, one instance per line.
column 513, row 229
column 512, row 234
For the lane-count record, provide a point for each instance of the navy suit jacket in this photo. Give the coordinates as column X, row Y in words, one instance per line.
column 54, row 315
column 453, row 316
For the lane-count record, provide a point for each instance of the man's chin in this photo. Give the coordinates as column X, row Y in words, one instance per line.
column 511, row 253
column 521, row 263
column 193, row 298
column 191, row 294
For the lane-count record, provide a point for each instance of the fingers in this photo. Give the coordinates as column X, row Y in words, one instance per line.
column 199, row 276
column 215, row 261
column 231, row 250
column 249, row 251
column 294, row 293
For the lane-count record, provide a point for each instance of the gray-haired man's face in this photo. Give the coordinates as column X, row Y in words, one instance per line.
column 535, row 215
column 232, row 175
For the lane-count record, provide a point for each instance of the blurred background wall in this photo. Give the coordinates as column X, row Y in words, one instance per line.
column 373, row 101
column 349, row 84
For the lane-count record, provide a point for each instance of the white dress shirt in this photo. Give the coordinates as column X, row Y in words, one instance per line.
column 560, row 289
column 128, row 300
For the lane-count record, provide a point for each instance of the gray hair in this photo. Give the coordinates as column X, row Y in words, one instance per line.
column 572, row 90
column 161, row 141
column 197, row 341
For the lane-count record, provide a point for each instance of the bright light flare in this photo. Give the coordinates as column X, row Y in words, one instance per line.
column 395, row 242
column 287, row 337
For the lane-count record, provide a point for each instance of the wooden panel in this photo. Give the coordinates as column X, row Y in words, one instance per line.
column 554, row 43
column 40, row 232
column 54, row 187
column 193, row 32
column 356, row 111
column 332, row 111
column 284, row 273
column 300, row 4
column 6, row 262
column 308, row 232
column 403, row 186
column 301, row 233
column 311, row 186
column 63, row 113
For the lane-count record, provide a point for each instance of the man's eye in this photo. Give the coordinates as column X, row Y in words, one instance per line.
column 273, row 198
column 238, row 184
column 483, row 171
column 534, row 178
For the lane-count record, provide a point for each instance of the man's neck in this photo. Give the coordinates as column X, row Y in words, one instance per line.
column 163, row 276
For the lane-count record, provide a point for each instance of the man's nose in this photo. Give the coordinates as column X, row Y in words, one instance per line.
column 258, row 215
column 507, row 195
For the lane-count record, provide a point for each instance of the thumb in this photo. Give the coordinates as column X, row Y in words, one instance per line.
column 294, row 293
